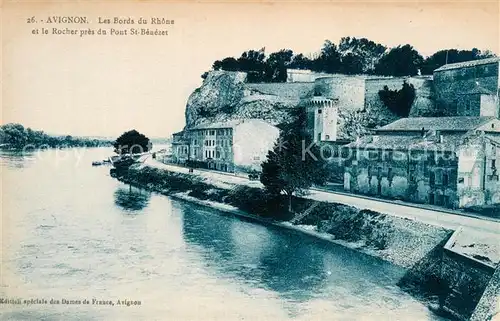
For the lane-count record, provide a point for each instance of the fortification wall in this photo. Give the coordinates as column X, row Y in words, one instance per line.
column 378, row 114
column 457, row 89
column 298, row 75
column 290, row 91
column 349, row 91
column 424, row 105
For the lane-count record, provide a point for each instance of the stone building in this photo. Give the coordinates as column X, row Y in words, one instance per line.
column 231, row 146
column 180, row 150
column 322, row 119
column 445, row 161
column 468, row 88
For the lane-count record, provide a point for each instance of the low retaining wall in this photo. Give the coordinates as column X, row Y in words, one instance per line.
column 398, row 240
column 436, row 272
column 453, row 281
column 489, row 305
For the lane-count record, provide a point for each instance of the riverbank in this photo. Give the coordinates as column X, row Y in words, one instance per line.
column 416, row 246
column 398, row 240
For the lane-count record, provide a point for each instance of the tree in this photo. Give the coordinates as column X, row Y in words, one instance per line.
column 14, row 135
column 328, row 60
column 132, row 142
column 399, row 61
column 277, row 63
column 295, row 163
column 351, row 65
column 300, row 62
column 398, row 101
column 252, row 62
column 365, row 51
column 451, row 56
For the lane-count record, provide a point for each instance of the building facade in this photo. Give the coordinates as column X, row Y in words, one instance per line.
column 231, row 146
column 180, row 150
column 447, row 161
column 468, row 88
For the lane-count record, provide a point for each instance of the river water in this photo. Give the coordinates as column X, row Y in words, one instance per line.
column 72, row 232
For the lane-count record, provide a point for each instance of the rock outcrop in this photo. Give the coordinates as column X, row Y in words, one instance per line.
column 226, row 95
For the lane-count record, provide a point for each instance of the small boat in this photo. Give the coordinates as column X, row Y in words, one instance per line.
column 97, row 163
column 125, row 161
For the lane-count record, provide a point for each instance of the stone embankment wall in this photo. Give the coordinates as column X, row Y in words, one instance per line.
column 398, row 240
column 451, row 280
column 433, row 270
column 489, row 305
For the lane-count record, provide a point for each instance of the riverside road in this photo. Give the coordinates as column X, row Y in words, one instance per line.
column 401, row 209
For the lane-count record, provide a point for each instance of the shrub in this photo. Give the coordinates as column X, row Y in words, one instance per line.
column 398, row 101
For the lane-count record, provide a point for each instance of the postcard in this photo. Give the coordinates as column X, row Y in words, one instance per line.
column 250, row 160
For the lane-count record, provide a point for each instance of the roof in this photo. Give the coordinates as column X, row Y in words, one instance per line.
column 470, row 63
column 222, row 124
column 450, row 143
column 460, row 123
column 225, row 124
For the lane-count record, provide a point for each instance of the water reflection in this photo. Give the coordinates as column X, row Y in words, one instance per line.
column 131, row 199
column 255, row 254
column 16, row 159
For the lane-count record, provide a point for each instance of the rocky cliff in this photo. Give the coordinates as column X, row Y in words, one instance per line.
column 226, row 95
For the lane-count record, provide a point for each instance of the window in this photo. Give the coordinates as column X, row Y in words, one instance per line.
column 440, row 200
column 493, row 163
column 319, row 136
column 439, row 177
column 461, row 180
column 327, row 136
column 217, row 154
column 369, row 169
column 431, row 159
column 432, row 178
column 320, row 111
column 493, row 177
column 389, row 173
column 445, row 179
column 471, row 106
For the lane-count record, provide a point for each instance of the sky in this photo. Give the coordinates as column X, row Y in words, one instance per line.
column 105, row 85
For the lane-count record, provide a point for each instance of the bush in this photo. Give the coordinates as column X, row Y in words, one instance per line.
column 258, row 202
column 398, row 101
